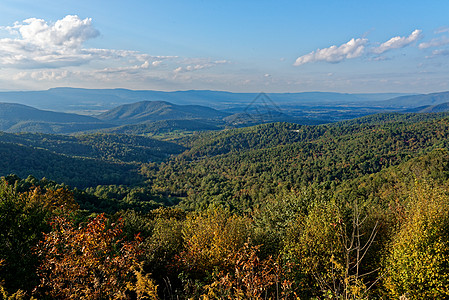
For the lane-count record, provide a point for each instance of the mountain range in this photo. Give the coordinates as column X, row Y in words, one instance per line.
column 21, row 118
column 94, row 101
column 238, row 109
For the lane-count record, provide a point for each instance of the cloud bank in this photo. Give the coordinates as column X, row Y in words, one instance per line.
column 70, row 32
column 55, row 51
column 39, row 44
column 436, row 42
column 353, row 48
column 356, row 48
column 398, row 42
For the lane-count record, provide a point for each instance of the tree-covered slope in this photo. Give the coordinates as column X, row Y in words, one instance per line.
column 115, row 147
column 443, row 107
column 81, row 161
column 166, row 127
column 417, row 100
column 276, row 134
column 255, row 162
column 17, row 117
column 147, row 111
column 76, row 172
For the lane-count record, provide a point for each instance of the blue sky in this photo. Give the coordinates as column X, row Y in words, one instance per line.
column 240, row 46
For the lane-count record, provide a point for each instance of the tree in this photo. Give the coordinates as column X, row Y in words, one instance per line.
column 23, row 218
column 417, row 261
column 90, row 262
column 329, row 248
column 209, row 238
column 250, row 278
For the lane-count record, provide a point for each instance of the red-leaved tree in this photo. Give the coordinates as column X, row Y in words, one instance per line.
column 90, row 262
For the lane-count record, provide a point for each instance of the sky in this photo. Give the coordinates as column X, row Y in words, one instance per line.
column 236, row 45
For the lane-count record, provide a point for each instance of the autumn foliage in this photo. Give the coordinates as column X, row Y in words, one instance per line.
column 89, row 262
column 250, row 277
column 417, row 263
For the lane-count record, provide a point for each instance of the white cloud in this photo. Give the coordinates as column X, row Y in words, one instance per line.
column 442, row 30
column 398, row 42
column 443, row 52
column 198, row 64
column 178, row 70
column 69, row 32
column 143, row 66
column 46, row 75
column 39, row 44
column 360, row 47
column 436, row 42
column 40, row 53
column 380, row 58
column 352, row 49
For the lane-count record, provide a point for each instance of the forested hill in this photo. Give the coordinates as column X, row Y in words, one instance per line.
column 443, row 107
column 277, row 134
column 83, row 160
column 242, row 167
column 257, row 157
column 150, row 111
column 167, row 127
column 74, row 171
column 113, row 147
column 19, row 118
column 410, row 101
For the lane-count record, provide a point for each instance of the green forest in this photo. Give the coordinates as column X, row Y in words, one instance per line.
column 357, row 209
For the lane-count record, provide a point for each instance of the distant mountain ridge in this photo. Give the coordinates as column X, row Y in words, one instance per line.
column 151, row 111
column 412, row 101
column 443, row 107
column 18, row 118
column 94, row 101
column 239, row 109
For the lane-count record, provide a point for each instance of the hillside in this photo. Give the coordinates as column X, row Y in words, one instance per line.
column 167, row 127
column 277, row 134
column 443, row 107
column 83, row 160
column 76, row 172
column 150, row 111
column 17, row 117
column 113, row 147
column 413, row 101
column 260, row 160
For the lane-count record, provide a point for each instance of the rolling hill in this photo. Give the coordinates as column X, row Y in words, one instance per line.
column 112, row 147
column 166, row 126
column 443, row 107
column 81, row 160
column 150, row 111
column 412, row 101
column 18, row 118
